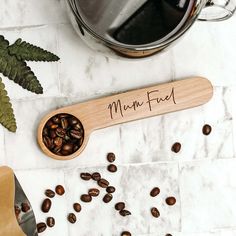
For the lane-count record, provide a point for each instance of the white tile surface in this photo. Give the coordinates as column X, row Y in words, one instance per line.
column 31, row 12
column 207, row 195
column 208, row 52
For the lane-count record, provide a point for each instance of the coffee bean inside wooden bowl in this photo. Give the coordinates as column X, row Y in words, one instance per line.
column 63, row 134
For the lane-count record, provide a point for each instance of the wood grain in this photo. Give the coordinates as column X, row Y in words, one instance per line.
column 133, row 105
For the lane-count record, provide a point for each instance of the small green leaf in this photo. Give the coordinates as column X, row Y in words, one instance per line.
column 3, row 42
column 7, row 118
column 19, row 72
column 26, row 51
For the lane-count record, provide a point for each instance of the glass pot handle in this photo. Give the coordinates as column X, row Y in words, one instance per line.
column 217, row 10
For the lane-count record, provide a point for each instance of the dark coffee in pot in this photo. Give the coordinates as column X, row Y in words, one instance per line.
column 153, row 21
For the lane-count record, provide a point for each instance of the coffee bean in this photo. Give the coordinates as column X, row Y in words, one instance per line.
column 96, row 176
column 58, row 141
column 124, row 212
column 60, row 190
column 73, row 121
column 155, row 213
column 68, row 147
column 50, row 222
column 85, row 176
column 48, row 142
column 78, row 127
column 206, row 129
column 155, row 191
column 176, row 147
column 86, row 198
column 120, row 206
column 17, row 211
column 111, row 157
column 60, row 132
column 64, row 123
column 110, row 189
column 112, row 168
column 77, row 207
column 126, row 233
column 56, row 120
column 103, row 183
column 45, row 131
column 63, row 115
column 71, row 218
column 25, row 207
column 76, row 134
column 49, row 193
column 93, row 192
column 107, row 198
column 170, row 201
column 41, row 227
column 168, row 234
column 52, row 134
column 46, row 205
column 53, row 126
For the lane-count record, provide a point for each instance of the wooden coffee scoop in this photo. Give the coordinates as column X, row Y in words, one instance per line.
column 132, row 105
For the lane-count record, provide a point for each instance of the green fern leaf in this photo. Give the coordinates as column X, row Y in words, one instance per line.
column 7, row 118
column 26, row 51
column 3, row 42
column 19, row 72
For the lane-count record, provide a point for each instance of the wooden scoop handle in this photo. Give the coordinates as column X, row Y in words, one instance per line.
column 8, row 222
column 132, row 105
column 142, row 103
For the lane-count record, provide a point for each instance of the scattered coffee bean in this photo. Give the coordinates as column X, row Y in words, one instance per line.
column 25, row 207
column 170, row 201
column 112, row 168
column 86, row 198
column 63, row 134
column 85, row 176
column 71, row 218
column 96, row 176
column 176, row 147
column 107, row 198
column 77, row 207
column 206, row 129
column 60, row 190
column 49, row 193
column 155, row 212
column 50, row 222
column 93, row 192
column 155, row 191
column 110, row 189
column 120, row 206
column 46, row 205
column 17, row 211
column 124, row 212
column 168, row 234
column 103, row 183
column 125, row 233
column 111, row 157
column 41, row 227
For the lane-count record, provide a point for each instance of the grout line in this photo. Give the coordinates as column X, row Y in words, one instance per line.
column 66, row 168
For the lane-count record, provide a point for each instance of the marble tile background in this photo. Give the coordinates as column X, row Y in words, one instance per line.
column 201, row 176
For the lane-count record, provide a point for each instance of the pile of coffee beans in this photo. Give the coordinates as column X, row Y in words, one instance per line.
column 23, row 208
column 63, row 134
